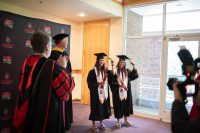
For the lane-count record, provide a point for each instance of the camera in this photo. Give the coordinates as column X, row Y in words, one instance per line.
column 190, row 67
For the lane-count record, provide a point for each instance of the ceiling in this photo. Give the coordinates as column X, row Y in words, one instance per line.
column 69, row 9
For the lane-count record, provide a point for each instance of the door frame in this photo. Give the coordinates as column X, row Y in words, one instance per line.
column 165, row 115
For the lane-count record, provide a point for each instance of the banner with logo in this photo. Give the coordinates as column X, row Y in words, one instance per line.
column 15, row 34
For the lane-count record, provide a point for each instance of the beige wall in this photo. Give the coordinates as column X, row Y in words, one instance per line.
column 116, row 38
column 76, row 38
column 116, row 42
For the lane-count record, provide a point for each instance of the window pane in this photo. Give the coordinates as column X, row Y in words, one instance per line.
column 183, row 16
column 146, row 54
column 144, row 20
column 152, row 23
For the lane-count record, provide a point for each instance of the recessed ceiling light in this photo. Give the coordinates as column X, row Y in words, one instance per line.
column 81, row 14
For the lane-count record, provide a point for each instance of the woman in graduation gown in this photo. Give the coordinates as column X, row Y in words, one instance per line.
column 121, row 91
column 98, row 80
column 43, row 85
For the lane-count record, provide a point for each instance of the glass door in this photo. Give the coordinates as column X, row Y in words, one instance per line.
column 173, row 68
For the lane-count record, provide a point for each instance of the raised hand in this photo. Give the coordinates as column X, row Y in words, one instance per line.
column 62, row 61
column 132, row 63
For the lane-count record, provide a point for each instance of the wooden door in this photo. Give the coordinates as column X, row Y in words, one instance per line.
column 96, row 37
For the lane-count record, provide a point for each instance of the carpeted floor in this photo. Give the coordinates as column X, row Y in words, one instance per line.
column 143, row 125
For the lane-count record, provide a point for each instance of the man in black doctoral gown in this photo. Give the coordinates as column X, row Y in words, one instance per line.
column 61, row 41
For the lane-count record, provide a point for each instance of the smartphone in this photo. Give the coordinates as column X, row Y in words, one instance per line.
column 190, row 89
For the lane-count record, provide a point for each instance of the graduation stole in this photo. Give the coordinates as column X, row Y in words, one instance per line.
column 123, row 80
column 102, row 90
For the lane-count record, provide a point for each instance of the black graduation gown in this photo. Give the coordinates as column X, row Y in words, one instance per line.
column 180, row 119
column 124, row 107
column 98, row 111
column 44, row 108
column 68, row 104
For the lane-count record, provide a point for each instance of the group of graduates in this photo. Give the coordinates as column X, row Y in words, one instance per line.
column 44, row 103
column 99, row 80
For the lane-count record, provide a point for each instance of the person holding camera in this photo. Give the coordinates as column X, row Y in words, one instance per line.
column 194, row 109
column 180, row 119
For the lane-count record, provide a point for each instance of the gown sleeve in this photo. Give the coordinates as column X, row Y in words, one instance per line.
column 133, row 74
column 62, row 83
column 91, row 80
column 112, row 80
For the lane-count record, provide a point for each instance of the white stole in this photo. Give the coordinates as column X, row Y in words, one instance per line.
column 102, row 92
column 123, row 91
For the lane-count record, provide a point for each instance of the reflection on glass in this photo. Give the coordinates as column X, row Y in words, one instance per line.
column 147, row 18
column 183, row 16
column 146, row 54
column 174, row 66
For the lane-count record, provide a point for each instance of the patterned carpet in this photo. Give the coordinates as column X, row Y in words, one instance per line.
column 142, row 125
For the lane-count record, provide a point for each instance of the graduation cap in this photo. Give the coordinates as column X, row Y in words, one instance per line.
column 100, row 55
column 59, row 37
column 122, row 57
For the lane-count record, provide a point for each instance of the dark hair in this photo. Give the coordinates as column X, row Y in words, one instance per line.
column 39, row 41
column 122, row 69
column 103, row 68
